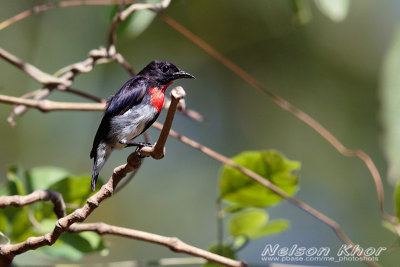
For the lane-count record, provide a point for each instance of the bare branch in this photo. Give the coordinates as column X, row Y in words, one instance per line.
column 35, row 73
column 45, row 7
column 173, row 243
column 315, row 125
column 39, row 195
column 48, row 105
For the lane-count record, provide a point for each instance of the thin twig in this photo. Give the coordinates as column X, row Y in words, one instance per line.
column 45, row 7
column 315, row 125
column 48, row 105
column 35, row 73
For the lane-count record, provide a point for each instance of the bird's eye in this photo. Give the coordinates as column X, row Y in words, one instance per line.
column 165, row 68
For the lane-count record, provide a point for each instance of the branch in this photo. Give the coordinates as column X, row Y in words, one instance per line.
column 45, row 7
column 39, row 195
column 35, row 73
column 48, row 105
column 173, row 243
column 315, row 125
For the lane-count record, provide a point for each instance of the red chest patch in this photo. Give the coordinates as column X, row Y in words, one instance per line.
column 157, row 96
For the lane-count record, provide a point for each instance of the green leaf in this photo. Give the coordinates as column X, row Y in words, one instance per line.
column 397, row 199
column 253, row 223
column 247, row 221
column 75, row 189
column 61, row 250
column 140, row 21
column 390, row 97
column 16, row 181
column 336, row 10
column 273, row 227
column 222, row 250
column 85, row 242
column 244, row 191
column 41, row 178
column 302, row 11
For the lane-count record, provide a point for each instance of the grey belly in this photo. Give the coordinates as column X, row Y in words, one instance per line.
column 129, row 125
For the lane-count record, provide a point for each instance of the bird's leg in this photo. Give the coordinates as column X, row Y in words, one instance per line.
column 132, row 143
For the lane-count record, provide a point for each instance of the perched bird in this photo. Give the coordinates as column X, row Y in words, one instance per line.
column 132, row 110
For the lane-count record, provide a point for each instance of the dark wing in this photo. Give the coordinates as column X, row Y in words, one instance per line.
column 131, row 94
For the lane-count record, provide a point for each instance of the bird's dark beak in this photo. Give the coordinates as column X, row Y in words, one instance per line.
column 181, row 74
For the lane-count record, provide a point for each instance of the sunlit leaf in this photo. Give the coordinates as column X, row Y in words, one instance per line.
column 243, row 191
column 247, row 221
column 336, row 10
column 273, row 227
column 390, row 97
column 253, row 223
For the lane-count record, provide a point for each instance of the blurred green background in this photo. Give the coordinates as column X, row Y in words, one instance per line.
column 330, row 70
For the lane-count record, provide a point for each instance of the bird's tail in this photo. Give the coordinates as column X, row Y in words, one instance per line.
column 100, row 157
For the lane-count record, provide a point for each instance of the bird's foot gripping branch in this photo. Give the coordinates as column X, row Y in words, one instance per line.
column 157, row 151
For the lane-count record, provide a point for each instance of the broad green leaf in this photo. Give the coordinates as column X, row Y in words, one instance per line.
column 336, row 10
column 390, row 97
column 74, row 189
column 273, row 227
column 61, row 250
column 247, row 221
column 243, row 191
column 397, row 199
column 85, row 242
column 222, row 250
column 20, row 225
column 41, row 178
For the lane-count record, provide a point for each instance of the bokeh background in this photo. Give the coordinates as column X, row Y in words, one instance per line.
column 330, row 70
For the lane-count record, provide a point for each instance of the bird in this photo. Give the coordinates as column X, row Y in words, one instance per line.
column 132, row 110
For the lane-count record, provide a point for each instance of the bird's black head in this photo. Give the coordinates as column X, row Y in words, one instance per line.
column 163, row 72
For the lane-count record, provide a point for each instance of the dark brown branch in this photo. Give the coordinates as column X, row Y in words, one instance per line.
column 315, row 125
column 39, row 195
